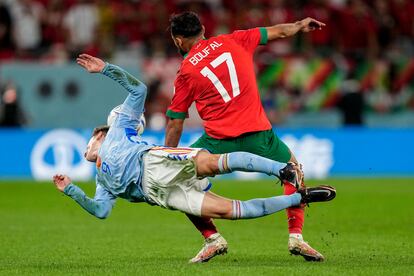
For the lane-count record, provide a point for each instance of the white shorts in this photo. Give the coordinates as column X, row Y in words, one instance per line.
column 170, row 181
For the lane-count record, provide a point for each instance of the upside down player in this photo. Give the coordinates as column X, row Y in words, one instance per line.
column 218, row 75
column 174, row 178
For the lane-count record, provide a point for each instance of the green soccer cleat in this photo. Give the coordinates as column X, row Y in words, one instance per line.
column 213, row 246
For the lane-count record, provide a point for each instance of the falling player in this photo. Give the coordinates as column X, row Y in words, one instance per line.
column 218, row 75
column 174, row 178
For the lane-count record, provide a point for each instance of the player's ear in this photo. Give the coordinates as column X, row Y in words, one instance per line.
column 179, row 41
column 203, row 30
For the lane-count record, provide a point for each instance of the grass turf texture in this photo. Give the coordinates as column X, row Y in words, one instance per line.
column 367, row 229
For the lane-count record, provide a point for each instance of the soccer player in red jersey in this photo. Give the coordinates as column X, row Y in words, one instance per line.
column 218, row 75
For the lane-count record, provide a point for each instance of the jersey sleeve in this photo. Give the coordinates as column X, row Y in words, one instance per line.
column 250, row 38
column 181, row 100
column 102, row 194
column 133, row 106
column 100, row 206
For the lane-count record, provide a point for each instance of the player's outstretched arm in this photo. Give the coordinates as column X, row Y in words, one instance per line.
column 97, row 65
column 133, row 105
column 100, row 207
column 290, row 29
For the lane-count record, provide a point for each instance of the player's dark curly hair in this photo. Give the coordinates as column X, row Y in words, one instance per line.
column 186, row 24
column 98, row 129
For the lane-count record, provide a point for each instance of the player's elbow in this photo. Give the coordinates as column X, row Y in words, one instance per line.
column 142, row 89
column 103, row 211
column 277, row 34
column 278, row 31
column 102, row 215
column 281, row 35
column 139, row 90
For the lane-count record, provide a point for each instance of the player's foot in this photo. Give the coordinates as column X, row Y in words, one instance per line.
column 317, row 194
column 213, row 246
column 292, row 173
column 300, row 247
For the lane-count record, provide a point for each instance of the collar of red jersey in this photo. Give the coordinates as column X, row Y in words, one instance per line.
column 186, row 54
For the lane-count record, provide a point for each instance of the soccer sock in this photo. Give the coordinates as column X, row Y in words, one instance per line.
column 248, row 162
column 260, row 207
column 204, row 225
column 296, row 215
column 296, row 236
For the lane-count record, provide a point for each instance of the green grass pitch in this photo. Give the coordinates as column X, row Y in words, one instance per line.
column 367, row 230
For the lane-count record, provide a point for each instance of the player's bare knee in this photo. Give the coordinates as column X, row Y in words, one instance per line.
column 225, row 211
column 206, row 163
column 216, row 207
column 228, row 214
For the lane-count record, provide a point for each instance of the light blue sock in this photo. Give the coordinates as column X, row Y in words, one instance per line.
column 248, row 162
column 261, row 207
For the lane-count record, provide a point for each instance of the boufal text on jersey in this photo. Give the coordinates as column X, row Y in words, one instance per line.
column 197, row 57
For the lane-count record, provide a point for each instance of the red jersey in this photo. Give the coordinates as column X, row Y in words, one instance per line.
column 218, row 75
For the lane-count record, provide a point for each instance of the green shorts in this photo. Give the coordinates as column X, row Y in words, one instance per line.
column 264, row 143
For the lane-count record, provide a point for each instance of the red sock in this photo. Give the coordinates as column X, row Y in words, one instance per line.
column 204, row 225
column 296, row 215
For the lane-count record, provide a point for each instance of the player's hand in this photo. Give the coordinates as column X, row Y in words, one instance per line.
column 310, row 24
column 90, row 63
column 61, row 181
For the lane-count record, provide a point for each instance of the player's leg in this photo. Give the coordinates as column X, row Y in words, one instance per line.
column 214, row 242
column 189, row 197
column 215, row 206
column 204, row 225
column 212, row 164
column 219, row 207
column 267, row 144
column 276, row 149
column 280, row 151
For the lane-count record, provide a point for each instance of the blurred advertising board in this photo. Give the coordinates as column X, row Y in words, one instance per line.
column 38, row 154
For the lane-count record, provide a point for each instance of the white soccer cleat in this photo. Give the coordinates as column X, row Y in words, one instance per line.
column 213, row 246
column 300, row 247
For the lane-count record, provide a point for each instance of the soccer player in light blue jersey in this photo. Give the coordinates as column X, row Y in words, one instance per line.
column 173, row 178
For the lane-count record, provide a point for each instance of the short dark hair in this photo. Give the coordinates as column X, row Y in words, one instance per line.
column 186, row 24
column 99, row 129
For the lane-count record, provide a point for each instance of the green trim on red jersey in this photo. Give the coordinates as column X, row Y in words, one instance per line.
column 176, row 115
column 263, row 36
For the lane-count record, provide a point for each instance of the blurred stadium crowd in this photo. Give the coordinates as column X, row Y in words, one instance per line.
column 362, row 60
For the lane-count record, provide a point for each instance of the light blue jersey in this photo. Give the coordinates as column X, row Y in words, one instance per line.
column 119, row 163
